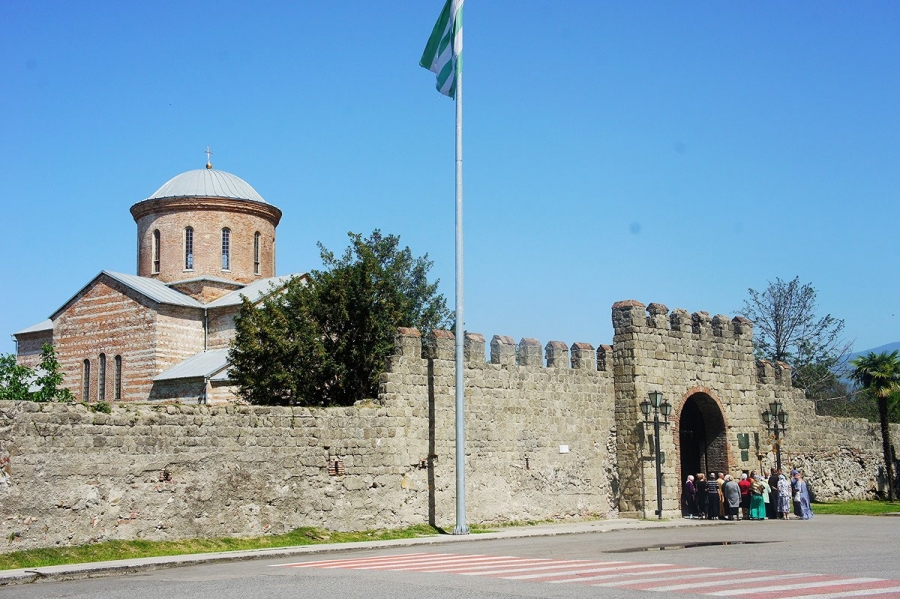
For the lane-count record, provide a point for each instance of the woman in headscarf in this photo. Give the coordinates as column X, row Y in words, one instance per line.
column 757, row 503
column 689, row 498
column 784, row 497
column 801, row 497
column 701, row 496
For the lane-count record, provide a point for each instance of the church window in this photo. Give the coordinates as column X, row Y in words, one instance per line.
column 86, row 380
column 226, row 249
column 101, row 379
column 156, row 251
column 117, row 380
column 256, row 253
column 189, row 248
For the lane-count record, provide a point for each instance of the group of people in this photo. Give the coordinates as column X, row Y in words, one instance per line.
column 753, row 497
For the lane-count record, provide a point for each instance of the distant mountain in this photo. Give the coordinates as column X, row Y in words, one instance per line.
column 843, row 367
column 877, row 350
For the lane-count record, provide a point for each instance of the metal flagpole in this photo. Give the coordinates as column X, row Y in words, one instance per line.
column 461, row 527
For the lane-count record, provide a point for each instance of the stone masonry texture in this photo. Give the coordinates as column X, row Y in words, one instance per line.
column 552, row 431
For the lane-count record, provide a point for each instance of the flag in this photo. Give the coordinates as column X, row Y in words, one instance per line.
column 443, row 53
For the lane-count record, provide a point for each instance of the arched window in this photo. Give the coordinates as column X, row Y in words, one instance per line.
column 226, row 248
column 189, row 248
column 101, row 379
column 155, row 251
column 117, row 381
column 256, row 253
column 86, row 380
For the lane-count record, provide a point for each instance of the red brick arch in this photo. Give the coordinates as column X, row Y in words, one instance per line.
column 710, row 406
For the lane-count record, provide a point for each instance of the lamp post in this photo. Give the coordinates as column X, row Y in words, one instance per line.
column 657, row 405
column 776, row 419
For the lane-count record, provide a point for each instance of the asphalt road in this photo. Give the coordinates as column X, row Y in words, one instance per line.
column 828, row 556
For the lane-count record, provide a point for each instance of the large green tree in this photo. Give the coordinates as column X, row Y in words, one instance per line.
column 788, row 329
column 324, row 339
column 879, row 375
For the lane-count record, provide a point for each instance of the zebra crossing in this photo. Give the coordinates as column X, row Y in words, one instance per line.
column 637, row 576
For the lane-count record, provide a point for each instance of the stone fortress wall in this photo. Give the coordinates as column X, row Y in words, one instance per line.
column 551, row 432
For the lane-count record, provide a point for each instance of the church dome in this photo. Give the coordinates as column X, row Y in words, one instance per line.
column 207, row 183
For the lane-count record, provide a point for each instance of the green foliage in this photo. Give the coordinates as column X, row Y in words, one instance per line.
column 787, row 329
column 16, row 380
column 879, row 374
column 101, row 406
column 49, row 378
column 116, row 550
column 324, row 340
column 857, row 507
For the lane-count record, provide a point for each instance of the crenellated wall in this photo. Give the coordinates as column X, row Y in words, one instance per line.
column 540, row 444
column 552, row 431
column 709, row 362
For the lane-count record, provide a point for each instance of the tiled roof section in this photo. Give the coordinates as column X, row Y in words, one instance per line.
column 203, row 365
column 156, row 290
column 254, row 291
column 44, row 325
column 207, row 183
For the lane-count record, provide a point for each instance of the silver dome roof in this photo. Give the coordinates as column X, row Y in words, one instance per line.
column 207, row 183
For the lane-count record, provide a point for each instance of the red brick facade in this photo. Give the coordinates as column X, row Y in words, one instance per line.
column 207, row 217
column 121, row 331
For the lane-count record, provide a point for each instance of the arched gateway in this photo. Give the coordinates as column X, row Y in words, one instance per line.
column 702, row 443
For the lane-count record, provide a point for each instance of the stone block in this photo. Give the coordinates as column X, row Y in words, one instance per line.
column 473, row 349
column 441, row 345
column 529, row 352
column 503, row 350
column 557, row 354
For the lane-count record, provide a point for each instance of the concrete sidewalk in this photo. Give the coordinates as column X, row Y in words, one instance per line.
column 95, row 569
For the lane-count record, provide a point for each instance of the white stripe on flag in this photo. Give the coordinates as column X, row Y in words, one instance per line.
column 443, row 52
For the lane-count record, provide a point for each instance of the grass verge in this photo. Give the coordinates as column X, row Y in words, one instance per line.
column 113, row 550
column 856, row 508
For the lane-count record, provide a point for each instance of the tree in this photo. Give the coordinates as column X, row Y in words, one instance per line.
column 49, row 378
column 879, row 374
column 325, row 339
column 788, row 330
column 16, row 381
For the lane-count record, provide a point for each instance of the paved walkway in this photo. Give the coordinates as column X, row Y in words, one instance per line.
column 73, row 571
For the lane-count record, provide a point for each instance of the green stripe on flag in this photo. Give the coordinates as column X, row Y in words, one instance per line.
column 443, row 53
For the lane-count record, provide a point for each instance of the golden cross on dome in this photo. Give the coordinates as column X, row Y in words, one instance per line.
column 208, row 154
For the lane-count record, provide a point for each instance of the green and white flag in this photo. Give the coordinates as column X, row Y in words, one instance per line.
column 443, row 54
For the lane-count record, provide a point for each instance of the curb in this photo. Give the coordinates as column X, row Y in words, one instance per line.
column 129, row 566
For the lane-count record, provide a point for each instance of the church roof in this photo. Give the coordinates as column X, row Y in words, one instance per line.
column 44, row 325
column 254, row 291
column 154, row 289
column 205, row 364
column 207, row 183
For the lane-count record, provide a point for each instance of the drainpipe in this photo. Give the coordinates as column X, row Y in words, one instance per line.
column 205, row 329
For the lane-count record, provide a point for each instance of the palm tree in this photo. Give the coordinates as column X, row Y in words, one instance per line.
column 879, row 374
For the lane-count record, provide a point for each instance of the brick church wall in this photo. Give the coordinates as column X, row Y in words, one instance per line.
column 107, row 318
column 28, row 347
column 221, row 326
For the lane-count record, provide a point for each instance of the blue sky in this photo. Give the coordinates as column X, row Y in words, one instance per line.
column 673, row 152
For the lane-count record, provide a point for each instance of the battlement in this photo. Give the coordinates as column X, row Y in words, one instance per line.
column 631, row 316
column 441, row 345
column 777, row 374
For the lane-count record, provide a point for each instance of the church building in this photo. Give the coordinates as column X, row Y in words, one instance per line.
column 205, row 240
